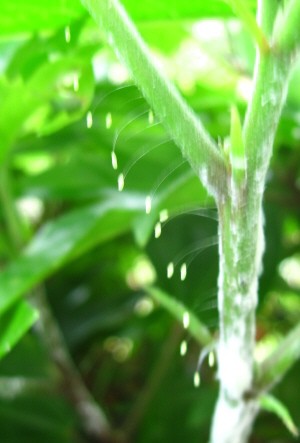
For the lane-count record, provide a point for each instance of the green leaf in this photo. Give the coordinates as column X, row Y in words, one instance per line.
column 54, row 84
column 179, row 9
column 286, row 32
column 271, row 404
column 46, row 102
column 32, row 16
column 14, row 324
column 16, row 104
column 64, row 239
column 22, row 16
column 190, row 322
column 36, row 416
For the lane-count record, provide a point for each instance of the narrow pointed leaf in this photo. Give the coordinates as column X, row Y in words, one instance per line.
column 271, row 404
column 14, row 324
column 64, row 239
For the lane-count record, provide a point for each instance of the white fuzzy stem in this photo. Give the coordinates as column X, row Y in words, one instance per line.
column 229, row 416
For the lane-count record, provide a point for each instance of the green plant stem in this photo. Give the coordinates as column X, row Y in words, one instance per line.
column 274, row 367
column 241, row 8
column 93, row 419
column 241, row 249
column 241, row 243
column 266, row 15
column 182, row 124
column 237, row 299
column 287, row 31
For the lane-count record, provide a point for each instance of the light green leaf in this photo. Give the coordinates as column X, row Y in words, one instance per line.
column 14, row 324
column 54, row 84
column 271, row 404
column 64, row 239
column 46, row 102
column 32, row 16
column 179, row 9
column 16, row 103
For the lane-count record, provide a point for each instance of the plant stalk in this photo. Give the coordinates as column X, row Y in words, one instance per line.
column 237, row 300
column 241, row 250
column 182, row 124
column 93, row 419
column 241, row 238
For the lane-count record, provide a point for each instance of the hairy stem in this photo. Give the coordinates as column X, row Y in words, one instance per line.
column 239, row 202
column 242, row 246
column 183, row 125
column 242, row 10
column 237, row 299
column 287, row 30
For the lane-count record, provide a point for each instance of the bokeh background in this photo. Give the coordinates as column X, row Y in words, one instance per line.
column 81, row 252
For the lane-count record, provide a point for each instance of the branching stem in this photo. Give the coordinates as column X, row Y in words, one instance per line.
column 182, row 124
column 242, row 246
column 239, row 201
column 93, row 419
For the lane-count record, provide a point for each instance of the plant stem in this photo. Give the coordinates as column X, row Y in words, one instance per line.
column 93, row 419
column 266, row 15
column 182, row 124
column 241, row 249
column 241, row 238
column 237, row 299
column 287, row 30
column 242, row 10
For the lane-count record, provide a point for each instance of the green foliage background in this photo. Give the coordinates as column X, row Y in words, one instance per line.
column 85, row 248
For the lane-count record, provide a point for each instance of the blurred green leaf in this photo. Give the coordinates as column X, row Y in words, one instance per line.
column 36, row 416
column 271, row 404
column 16, row 363
column 179, row 9
column 85, row 242
column 14, row 324
column 23, row 16
column 16, row 104
column 64, row 239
